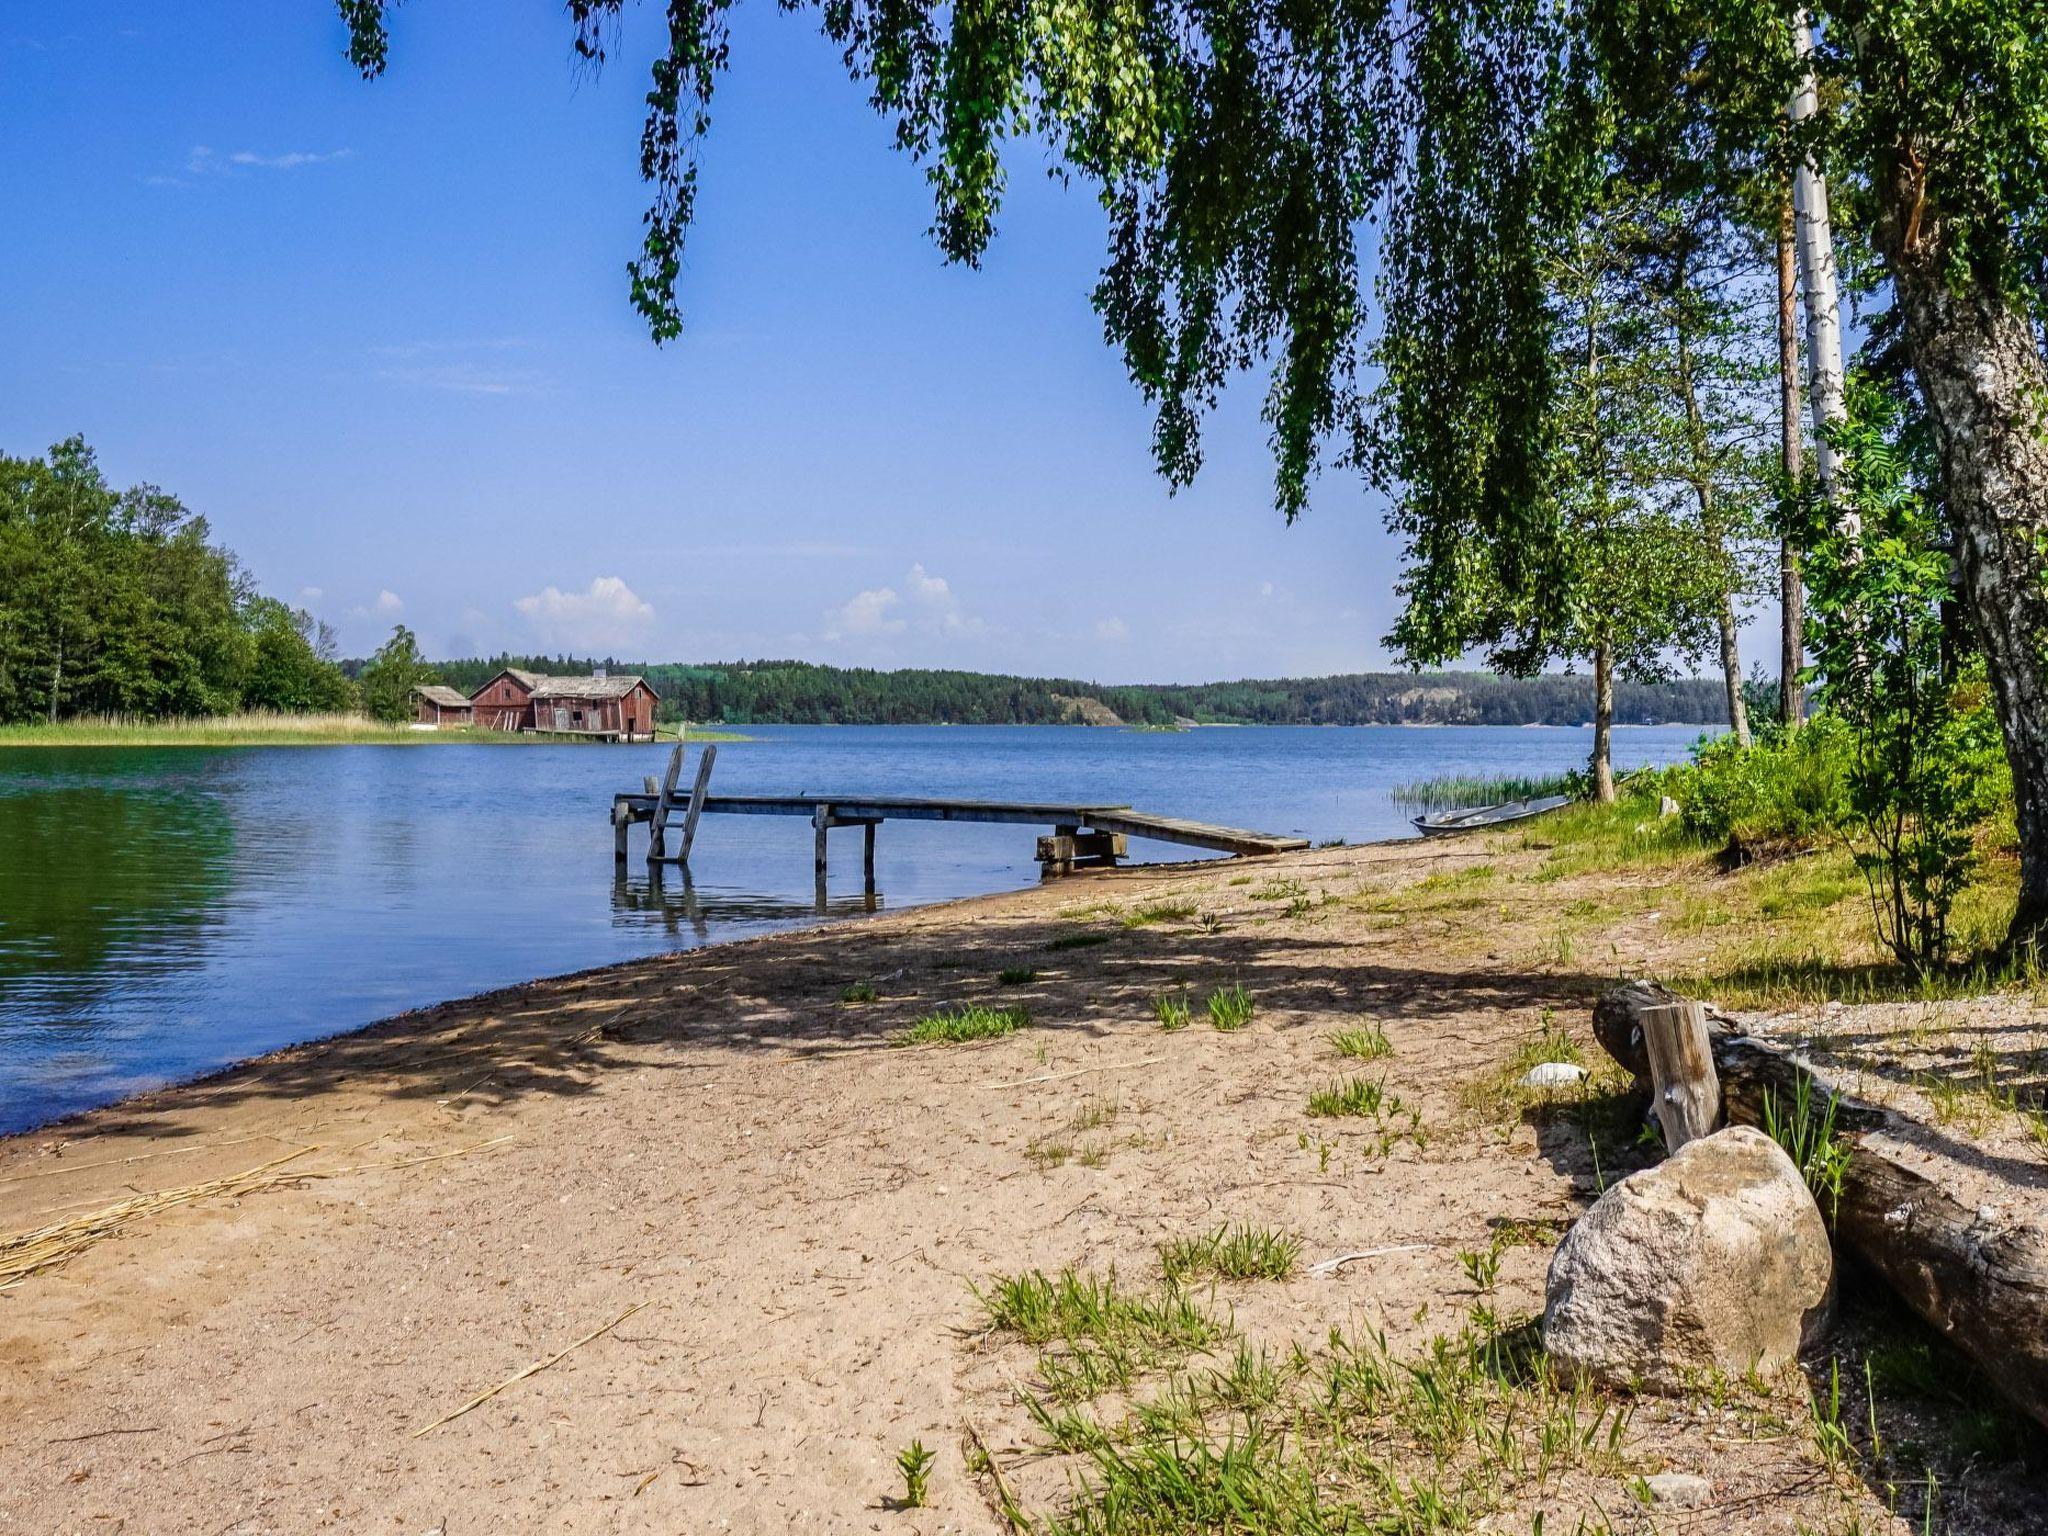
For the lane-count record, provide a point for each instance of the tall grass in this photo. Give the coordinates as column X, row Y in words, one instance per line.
column 262, row 728
column 1460, row 791
column 248, row 728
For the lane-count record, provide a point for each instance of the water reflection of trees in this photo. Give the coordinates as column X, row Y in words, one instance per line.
column 91, row 874
column 673, row 899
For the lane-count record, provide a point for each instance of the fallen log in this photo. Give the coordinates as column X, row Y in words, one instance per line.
column 1976, row 1273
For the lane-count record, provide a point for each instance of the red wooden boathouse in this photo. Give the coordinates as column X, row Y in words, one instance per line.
column 618, row 708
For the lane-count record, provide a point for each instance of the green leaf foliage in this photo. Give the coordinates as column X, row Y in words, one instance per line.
column 118, row 602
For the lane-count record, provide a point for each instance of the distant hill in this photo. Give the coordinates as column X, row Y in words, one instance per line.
column 801, row 693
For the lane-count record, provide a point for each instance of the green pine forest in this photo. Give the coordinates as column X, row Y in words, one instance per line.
column 802, row 693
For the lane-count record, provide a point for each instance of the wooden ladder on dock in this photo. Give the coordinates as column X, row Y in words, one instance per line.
column 664, row 797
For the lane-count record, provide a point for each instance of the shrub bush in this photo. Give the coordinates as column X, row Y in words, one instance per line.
column 1789, row 787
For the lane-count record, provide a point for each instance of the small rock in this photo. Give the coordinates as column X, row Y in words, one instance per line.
column 1681, row 1490
column 1714, row 1260
column 1553, row 1074
column 1666, row 806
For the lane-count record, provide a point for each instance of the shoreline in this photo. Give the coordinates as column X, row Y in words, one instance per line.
column 64, row 737
column 693, row 1242
column 402, row 736
column 142, row 1098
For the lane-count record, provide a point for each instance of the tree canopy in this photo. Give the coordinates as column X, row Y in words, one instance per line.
column 119, row 602
column 1243, row 150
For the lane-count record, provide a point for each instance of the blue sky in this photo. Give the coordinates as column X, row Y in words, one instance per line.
column 378, row 333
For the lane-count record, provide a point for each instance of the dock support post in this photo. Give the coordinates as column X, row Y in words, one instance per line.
column 821, row 822
column 621, row 819
column 867, row 855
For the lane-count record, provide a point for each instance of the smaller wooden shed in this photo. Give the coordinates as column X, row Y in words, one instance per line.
column 438, row 705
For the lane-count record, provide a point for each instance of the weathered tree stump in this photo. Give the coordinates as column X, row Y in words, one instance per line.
column 1687, row 1093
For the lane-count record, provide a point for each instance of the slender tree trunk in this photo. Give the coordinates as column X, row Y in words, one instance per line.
column 1816, row 241
column 1731, row 671
column 1703, row 491
column 1984, row 383
column 1603, row 723
column 1791, row 590
column 57, row 676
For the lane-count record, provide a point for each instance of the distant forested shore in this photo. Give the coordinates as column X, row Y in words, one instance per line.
column 118, row 607
column 803, row 693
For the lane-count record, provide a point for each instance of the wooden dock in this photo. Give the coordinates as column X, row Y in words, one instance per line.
column 1081, row 836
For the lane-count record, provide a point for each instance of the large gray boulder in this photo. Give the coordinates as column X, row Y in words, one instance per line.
column 1715, row 1260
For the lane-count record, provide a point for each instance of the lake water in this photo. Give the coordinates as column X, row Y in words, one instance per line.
column 165, row 912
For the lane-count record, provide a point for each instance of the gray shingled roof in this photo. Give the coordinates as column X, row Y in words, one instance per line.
column 585, row 687
column 443, row 695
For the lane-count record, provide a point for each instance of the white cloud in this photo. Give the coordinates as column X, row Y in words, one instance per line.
column 310, row 594
column 927, row 605
column 866, row 613
column 463, row 366
column 387, row 605
column 204, row 160
column 471, row 379
column 290, row 160
column 1112, row 628
column 426, row 347
column 606, row 615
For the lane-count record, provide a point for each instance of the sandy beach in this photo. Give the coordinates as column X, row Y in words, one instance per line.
column 689, row 1245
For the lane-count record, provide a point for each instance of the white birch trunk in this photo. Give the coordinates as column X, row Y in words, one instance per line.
column 1791, row 591
column 1822, row 291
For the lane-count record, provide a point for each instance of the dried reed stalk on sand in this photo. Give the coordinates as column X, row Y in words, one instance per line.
column 23, row 1254
column 533, row 1370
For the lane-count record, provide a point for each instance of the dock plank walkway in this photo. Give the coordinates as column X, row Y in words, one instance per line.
column 1109, row 823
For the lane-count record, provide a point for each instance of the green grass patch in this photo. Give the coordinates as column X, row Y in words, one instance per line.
column 1279, row 890
column 1369, row 1043
column 1079, row 940
column 1231, row 1008
column 1346, row 1438
column 956, row 1026
column 1016, row 976
column 1582, row 839
column 1499, row 1094
column 1551, row 1042
column 1171, row 1010
column 1040, row 1309
column 1230, row 1253
column 1161, row 912
column 1455, row 879
column 858, row 992
column 1352, row 1096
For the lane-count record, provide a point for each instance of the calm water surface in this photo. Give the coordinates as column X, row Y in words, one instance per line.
column 164, row 912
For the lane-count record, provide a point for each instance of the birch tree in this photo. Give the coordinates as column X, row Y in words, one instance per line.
column 1239, row 150
column 1630, row 484
column 1701, row 442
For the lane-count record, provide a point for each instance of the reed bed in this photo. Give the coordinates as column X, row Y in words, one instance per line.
column 1460, row 791
column 247, row 728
